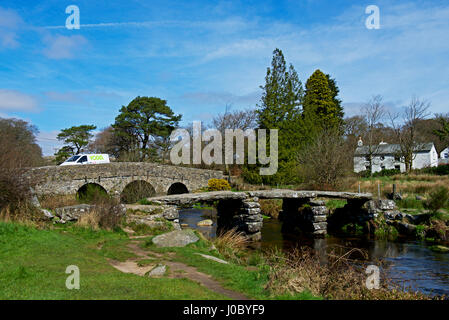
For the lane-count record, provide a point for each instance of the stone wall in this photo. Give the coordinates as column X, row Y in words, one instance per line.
column 114, row 177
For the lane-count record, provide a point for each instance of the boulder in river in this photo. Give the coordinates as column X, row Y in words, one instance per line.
column 204, row 223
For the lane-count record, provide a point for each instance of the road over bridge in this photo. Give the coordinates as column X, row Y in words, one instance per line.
column 116, row 176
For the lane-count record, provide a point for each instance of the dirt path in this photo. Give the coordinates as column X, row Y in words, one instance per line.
column 180, row 269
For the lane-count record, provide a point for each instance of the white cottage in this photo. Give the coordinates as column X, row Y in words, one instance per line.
column 444, row 156
column 386, row 156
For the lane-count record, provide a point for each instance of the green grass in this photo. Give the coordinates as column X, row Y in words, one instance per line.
column 335, row 203
column 232, row 276
column 33, row 264
column 410, row 203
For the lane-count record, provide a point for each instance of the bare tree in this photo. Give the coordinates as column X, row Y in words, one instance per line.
column 238, row 119
column 324, row 161
column 373, row 113
column 406, row 130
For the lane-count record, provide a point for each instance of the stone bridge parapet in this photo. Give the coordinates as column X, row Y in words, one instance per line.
column 115, row 176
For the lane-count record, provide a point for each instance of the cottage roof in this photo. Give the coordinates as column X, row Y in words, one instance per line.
column 384, row 149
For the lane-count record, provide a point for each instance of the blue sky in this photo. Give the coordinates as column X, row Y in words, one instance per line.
column 202, row 55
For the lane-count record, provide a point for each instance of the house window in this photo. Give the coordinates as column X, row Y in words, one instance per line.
column 397, row 167
column 446, row 155
column 367, row 158
column 397, row 158
column 382, row 167
column 382, row 158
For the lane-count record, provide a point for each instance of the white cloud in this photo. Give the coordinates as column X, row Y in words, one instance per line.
column 221, row 98
column 63, row 47
column 10, row 21
column 12, row 100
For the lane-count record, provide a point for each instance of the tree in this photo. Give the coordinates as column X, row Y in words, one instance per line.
column 76, row 137
column 335, row 91
column 279, row 108
column 443, row 131
column 406, row 131
column 282, row 94
column 321, row 105
column 233, row 120
column 373, row 113
column 18, row 144
column 324, row 161
column 63, row 154
column 144, row 120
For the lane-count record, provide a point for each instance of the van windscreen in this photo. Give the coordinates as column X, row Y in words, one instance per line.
column 71, row 159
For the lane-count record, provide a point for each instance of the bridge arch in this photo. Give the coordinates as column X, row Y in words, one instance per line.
column 177, row 188
column 137, row 190
column 90, row 190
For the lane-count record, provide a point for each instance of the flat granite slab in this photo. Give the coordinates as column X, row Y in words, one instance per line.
column 188, row 198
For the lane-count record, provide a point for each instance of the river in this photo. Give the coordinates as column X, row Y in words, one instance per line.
column 410, row 262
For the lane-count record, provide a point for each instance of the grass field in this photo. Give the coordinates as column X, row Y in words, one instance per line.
column 33, row 264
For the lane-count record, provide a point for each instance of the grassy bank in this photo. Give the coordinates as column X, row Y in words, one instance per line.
column 33, row 263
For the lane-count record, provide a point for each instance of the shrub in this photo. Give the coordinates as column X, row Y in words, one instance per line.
column 437, row 199
column 271, row 207
column 218, row 185
column 15, row 198
column 439, row 170
column 302, row 270
column 106, row 214
column 231, row 244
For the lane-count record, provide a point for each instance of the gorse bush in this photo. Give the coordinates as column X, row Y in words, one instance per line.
column 218, row 185
column 437, row 199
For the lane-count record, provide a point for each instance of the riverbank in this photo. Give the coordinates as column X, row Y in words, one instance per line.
column 112, row 265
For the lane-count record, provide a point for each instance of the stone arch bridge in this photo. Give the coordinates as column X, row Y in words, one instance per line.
column 114, row 177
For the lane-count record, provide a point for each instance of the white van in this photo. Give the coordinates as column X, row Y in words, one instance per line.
column 86, row 159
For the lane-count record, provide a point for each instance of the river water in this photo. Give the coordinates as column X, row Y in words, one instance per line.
column 410, row 262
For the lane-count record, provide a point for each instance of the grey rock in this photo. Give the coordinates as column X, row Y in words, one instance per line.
column 35, row 201
column 320, row 226
column 419, row 198
column 205, row 223
column 170, row 213
column 212, row 258
column 319, row 219
column 177, row 238
column 405, row 228
column 253, row 227
column 393, row 215
column 257, row 236
column 47, row 214
column 158, row 271
column 251, row 204
column 317, row 202
column 73, row 213
column 319, row 211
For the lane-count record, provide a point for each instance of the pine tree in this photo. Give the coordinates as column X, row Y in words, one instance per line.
column 280, row 109
column 282, row 94
column 321, row 105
